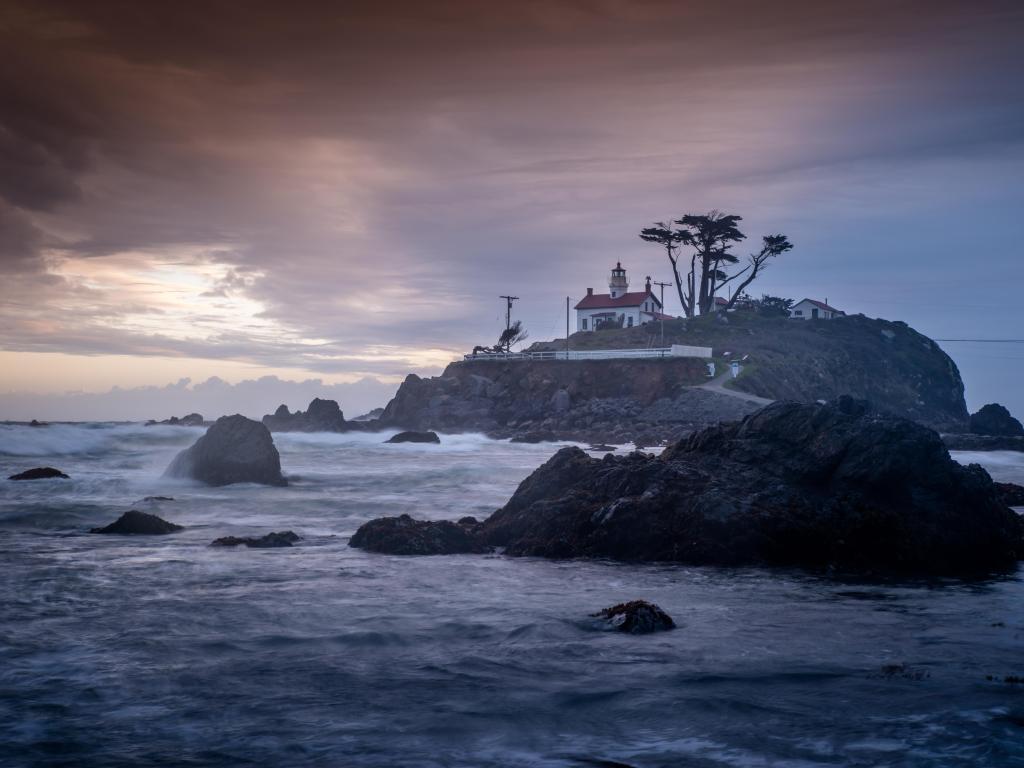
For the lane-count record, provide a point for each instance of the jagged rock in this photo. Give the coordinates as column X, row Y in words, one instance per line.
column 190, row 420
column 994, row 420
column 39, row 473
column 320, row 416
column 414, row 437
column 270, row 540
column 637, row 617
column 372, row 415
column 234, row 450
column 793, row 484
column 404, row 536
column 141, row 523
column 1011, row 494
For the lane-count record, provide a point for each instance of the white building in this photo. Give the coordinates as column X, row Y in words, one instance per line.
column 810, row 309
column 618, row 305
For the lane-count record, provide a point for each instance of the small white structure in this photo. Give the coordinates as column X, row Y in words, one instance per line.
column 810, row 309
column 618, row 306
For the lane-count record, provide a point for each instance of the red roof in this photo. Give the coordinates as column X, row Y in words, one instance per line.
column 822, row 305
column 634, row 299
column 660, row 316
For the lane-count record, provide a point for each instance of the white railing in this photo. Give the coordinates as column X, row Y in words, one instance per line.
column 676, row 350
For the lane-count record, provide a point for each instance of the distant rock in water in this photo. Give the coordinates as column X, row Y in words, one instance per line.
column 321, row 416
column 793, row 484
column 142, row 523
column 39, row 473
column 404, row 536
column 637, row 617
column 234, row 450
column 191, row 420
column 1011, row 494
column 372, row 415
column 414, row 437
column 968, row 442
column 270, row 540
column 35, row 423
column 994, row 420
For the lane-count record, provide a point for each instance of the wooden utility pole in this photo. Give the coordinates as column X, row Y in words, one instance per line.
column 508, row 309
column 662, row 313
column 567, row 327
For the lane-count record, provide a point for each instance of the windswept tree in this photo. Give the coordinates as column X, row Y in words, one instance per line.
column 771, row 247
column 711, row 237
column 511, row 336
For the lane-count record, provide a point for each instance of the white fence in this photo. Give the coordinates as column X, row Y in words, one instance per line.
column 676, row 350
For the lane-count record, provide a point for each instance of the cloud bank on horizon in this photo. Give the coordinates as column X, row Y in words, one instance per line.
column 343, row 190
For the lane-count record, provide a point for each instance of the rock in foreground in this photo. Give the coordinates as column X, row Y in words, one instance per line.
column 269, row 541
column 793, row 484
column 414, row 437
column 135, row 522
column 234, row 450
column 637, row 617
column 404, row 536
column 39, row 473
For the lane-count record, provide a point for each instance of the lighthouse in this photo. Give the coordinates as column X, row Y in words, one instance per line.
column 618, row 285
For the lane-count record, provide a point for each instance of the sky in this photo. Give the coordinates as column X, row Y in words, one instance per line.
column 278, row 197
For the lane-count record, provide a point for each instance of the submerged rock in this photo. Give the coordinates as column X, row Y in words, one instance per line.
column 815, row 485
column 234, row 450
column 637, row 617
column 404, row 536
column 191, row 420
column 414, row 437
column 143, row 523
column 994, row 420
column 275, row 539
column 39, row 473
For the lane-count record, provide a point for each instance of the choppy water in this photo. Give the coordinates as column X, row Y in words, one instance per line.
column 120, row 651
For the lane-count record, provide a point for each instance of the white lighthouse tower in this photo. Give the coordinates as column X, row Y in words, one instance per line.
column 618, row 285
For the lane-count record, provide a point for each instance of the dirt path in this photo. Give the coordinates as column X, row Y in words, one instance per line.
column 717, row 385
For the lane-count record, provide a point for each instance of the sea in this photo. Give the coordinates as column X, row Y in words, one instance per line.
column 165, row 651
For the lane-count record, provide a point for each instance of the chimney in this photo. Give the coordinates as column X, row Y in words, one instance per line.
column 648, row 284
column 590, row 291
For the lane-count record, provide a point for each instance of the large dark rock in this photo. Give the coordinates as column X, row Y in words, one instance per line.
column 637, row 617
column 267, row 541
column 793, row 484
column 135, row 522
column 404, row 536
column 1011, row 494
column 993, row 419
column 414, row 437
column 321, row 416
column 39, row 473
column 234, row 450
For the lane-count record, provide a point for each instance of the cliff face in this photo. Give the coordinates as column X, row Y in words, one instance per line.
column 901, row 371
column 592, row 399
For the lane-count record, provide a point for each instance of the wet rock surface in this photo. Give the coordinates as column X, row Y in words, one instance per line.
column 637, row 617
column 234, row 450
column 39, row 473
column 414, row 437
column 267, row 541
column 405, row 536
column 139, row 523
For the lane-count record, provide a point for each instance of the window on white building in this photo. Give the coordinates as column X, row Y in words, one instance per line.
column 584, row 323
column 630, row 322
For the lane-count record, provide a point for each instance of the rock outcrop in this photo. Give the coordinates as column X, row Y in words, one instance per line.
column 965, row 441
column 191, row 420
column 320, row 416
column 1011, row 494
column 234, row 450
column 39, row 473
column 414, row 437
column 139, row 523
column 404, row 536
column 637, row 617
column 813, row 485
column 995, row 421
column 267, row 541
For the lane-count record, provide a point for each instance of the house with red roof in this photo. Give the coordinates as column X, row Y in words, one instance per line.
column 812, row 309
column 619, row 306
